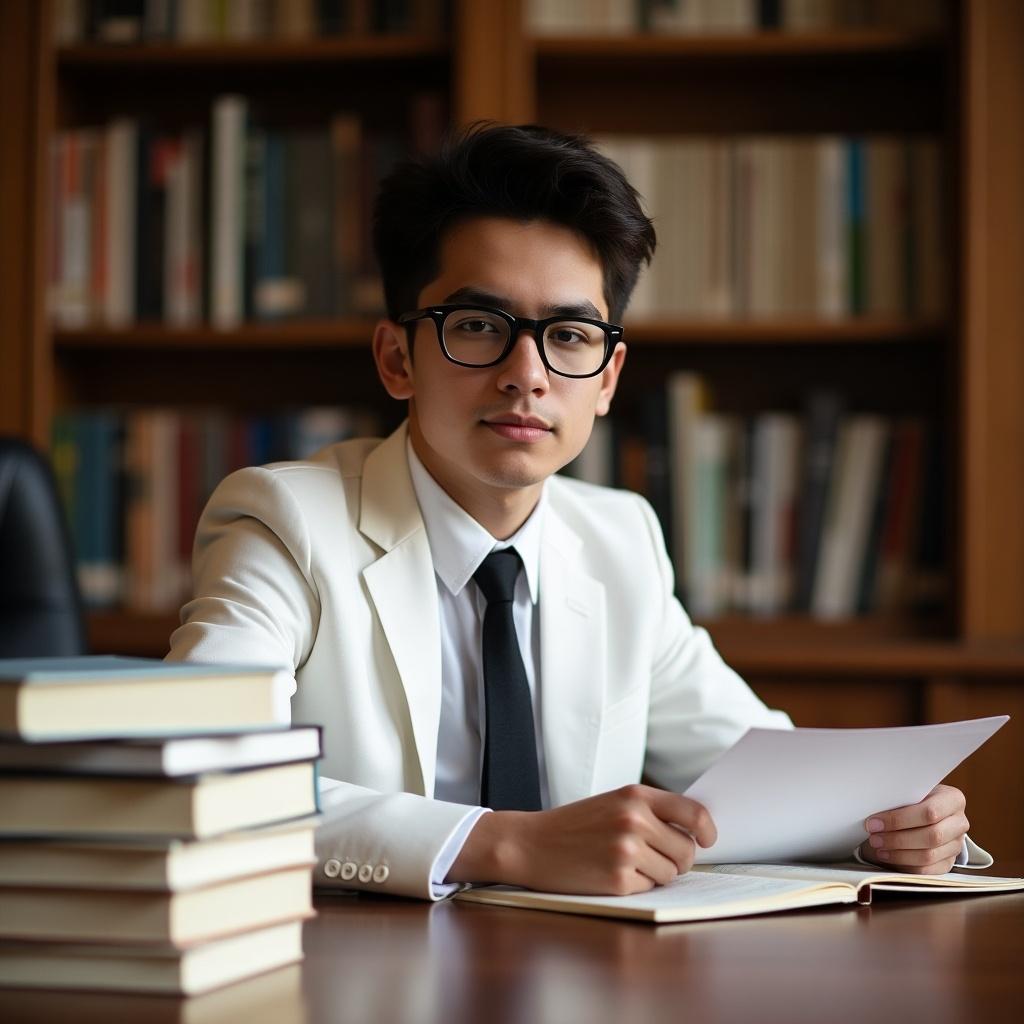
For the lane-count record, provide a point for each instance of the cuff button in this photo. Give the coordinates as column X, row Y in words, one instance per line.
column 365, row 872
column 348, row 871
column 332, row 868
column 381, row 872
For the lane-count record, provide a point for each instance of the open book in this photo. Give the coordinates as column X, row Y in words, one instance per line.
column 736, row 890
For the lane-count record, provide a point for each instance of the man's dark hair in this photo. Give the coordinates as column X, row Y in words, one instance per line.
column 523, row 172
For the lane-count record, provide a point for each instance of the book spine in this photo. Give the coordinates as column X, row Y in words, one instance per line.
column 122, row 146
column 855, row 224
column 851, row 499
column 226, row 263
column 824, row 410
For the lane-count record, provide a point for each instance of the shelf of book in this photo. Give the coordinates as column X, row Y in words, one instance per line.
column 789, row 646
column 299, row 334
column 358, row 332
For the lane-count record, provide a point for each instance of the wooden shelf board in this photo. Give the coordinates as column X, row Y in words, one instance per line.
column 906, row 659
column 744, row 45
column 787, row 646
column 786, row 330
column 164, row 56
column 358, row 332
column 296, row 334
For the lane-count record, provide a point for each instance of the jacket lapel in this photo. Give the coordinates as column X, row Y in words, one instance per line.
column 404, row 594
column 573, row 663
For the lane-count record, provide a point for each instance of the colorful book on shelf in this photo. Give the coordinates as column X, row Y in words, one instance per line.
column 768, row 226
column 711, row 892
column 168, row 970
column 888, row 590
column 108, row 696
column 206, row 21
column 775, row 453
column 823, row 413
column 855, row 479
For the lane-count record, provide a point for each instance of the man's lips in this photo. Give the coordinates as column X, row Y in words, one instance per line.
column 519, row 428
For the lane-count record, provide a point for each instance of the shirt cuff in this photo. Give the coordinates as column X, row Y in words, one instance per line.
column 449, row 852
column 972, row 856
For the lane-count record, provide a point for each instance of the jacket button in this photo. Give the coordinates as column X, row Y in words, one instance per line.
column 365, row 872
column 332, row 868
column 381, row 872
column 348, row 871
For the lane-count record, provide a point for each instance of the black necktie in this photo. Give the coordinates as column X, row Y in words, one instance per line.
column 511, row 780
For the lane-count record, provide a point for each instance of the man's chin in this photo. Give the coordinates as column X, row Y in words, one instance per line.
column 515, row 472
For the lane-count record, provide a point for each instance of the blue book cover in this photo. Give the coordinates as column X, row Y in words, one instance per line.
column 55, row 671
column 856, row 205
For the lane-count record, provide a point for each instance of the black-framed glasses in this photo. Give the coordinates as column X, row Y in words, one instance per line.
column 479, row 336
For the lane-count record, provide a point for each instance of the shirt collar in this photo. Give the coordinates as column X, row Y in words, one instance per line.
column 458, row 543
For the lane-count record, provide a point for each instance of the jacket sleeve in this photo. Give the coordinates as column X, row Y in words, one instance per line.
column 256, row 602
column 699, row 707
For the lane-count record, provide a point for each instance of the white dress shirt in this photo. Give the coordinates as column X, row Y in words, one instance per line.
column 458, row 546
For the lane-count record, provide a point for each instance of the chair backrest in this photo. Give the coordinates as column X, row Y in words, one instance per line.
column 40, row 605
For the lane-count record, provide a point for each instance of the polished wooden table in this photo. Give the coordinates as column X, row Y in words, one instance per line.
column 370, row 959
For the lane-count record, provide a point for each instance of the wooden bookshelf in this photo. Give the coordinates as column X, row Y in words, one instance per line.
column 282, row 55
column 328, row 333
column 965, row 85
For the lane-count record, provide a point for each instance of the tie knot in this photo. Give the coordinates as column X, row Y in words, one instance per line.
column 497, row 573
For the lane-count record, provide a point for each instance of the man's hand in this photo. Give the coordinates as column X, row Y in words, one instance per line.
column 622, row 842
column 923, row 838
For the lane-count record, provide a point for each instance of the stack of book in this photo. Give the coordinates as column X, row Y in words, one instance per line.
column 156, row 824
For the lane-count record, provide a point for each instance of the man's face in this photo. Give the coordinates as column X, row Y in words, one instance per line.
column 510, row 426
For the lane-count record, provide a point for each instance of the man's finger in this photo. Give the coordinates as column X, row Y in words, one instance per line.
column 919, row 858
column 671, row 842
column 687, row 814
column 659, row 869
column 941, row 802
column 927, row 837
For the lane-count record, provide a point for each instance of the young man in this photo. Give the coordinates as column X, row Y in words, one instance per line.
column 474, row 632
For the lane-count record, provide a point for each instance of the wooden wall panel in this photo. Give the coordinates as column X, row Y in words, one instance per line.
column 992, row 380
column 992, row 778
column 858, row 703
column 492, row 72
column 17, row 27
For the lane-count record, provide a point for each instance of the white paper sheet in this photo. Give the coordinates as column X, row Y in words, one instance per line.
column 804, row 794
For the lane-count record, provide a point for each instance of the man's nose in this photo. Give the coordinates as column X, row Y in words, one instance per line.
column 523, row 369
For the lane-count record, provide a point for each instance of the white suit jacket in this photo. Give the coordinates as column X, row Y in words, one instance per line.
column 323, row 567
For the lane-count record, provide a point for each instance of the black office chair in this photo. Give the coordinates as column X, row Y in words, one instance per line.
column 40, row 606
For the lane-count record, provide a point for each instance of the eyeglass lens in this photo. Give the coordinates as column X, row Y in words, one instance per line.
column 477, row 337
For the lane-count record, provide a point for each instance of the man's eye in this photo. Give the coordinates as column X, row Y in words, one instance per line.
column 567, row 336
column 476, row 326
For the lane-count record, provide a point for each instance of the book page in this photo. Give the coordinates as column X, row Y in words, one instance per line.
column 803, row 794
column 691, row 896
column 855, row 875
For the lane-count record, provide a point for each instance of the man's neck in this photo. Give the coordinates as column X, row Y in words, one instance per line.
column 501, row 511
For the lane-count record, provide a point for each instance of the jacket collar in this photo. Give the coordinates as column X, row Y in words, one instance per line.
column 404, row 593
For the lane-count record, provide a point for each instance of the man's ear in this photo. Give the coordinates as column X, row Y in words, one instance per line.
column 610, row 379
column 391, row 355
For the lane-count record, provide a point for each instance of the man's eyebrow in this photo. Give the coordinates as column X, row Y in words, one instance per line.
column 583, row 307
